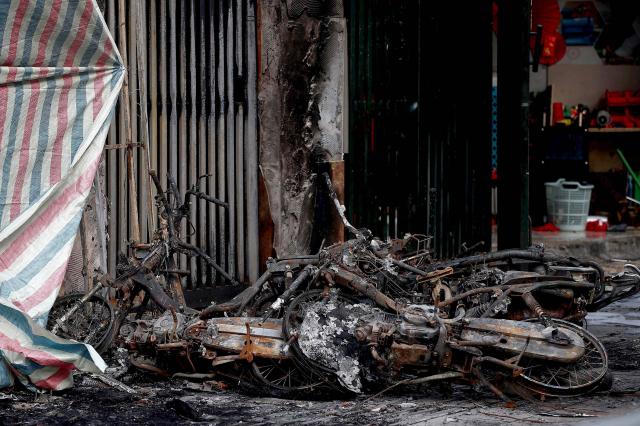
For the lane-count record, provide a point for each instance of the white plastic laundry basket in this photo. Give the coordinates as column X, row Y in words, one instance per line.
column 568, row 204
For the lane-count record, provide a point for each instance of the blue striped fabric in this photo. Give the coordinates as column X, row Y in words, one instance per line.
column 60, row 75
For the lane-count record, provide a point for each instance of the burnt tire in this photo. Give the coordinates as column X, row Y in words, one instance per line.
column 91, row 323
column 283, row 379
column 560, row 380
column 316, row 372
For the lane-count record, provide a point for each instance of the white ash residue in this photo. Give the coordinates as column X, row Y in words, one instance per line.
column 327, row 337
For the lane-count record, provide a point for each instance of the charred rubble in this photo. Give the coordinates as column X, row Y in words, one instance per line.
column 361, row 316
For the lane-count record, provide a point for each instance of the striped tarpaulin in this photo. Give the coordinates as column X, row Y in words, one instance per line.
column 38, row 358
column 60, row 74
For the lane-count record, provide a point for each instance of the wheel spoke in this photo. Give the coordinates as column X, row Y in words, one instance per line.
column 564, row 379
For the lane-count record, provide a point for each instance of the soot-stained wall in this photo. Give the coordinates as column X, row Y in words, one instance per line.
column 300, row 108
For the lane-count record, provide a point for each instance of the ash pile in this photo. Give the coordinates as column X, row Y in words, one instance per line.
column 362, row 316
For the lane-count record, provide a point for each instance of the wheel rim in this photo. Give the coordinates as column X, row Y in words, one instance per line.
column 559, row 379
column 282, row 375
column 90, row 323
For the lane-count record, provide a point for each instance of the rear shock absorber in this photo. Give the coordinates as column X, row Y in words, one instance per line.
column 551, row 331
column 533, row 304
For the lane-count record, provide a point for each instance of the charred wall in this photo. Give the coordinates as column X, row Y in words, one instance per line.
column 301, row 87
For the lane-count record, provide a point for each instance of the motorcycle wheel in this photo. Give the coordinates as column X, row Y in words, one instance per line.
column 91, row 323
column 558, row 379
column 324, row 377
column 282, row 378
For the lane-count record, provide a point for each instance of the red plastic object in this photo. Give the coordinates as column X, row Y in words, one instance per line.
column 547, row 227
column 621, row 116
column 624, row 120
column 597, row 224
column 547, row 14
column 622, row 99
column 553, row 48
column 558, row 112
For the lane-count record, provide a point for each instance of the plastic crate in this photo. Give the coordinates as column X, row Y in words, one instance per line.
column 623, row 98
column 568, row 204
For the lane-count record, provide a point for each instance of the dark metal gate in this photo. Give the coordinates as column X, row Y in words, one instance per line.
column 192, row 77
column 420, row 119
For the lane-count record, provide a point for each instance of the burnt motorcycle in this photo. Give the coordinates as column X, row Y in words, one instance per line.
column 366, row 346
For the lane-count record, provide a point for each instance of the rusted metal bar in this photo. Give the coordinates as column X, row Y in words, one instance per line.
column 334, row 229
column 87, row 249
column 138, row 217
column 183, row 104
column 239, row 301
column 239, row 177
column 193, row 136
column 230, row 141
column 201, row 163
column 239, row 43
column 220, row 141
column 532, row 254
column 516, row 370
column 153, row 98
column 128, row 127
column 121, row 146
column 154, row 289
column 239, row 133
column 145, row 163
column 478, row 373
column 339, row 207
column 251, row 147
column 173, row 90
column 112, row 167
column 208, row 198
column 208, row 259
column 533, row 304
column 121, row 209
column 165, row 111
column 210, row 63
column 162, row 196
column 101, row 216
column 362, row 286
column 302, row 277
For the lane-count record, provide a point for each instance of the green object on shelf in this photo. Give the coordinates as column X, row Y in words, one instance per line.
column 636, row 180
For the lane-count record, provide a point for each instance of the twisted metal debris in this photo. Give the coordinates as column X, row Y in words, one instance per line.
column 367, row 314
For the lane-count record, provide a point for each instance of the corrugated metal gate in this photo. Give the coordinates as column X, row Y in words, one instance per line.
column 420, row 120
column 192, row 72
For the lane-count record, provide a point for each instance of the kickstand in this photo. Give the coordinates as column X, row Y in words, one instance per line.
column 491, row 386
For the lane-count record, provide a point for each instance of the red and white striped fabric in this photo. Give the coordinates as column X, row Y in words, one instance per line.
column 37, row 358
column 60, row 75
